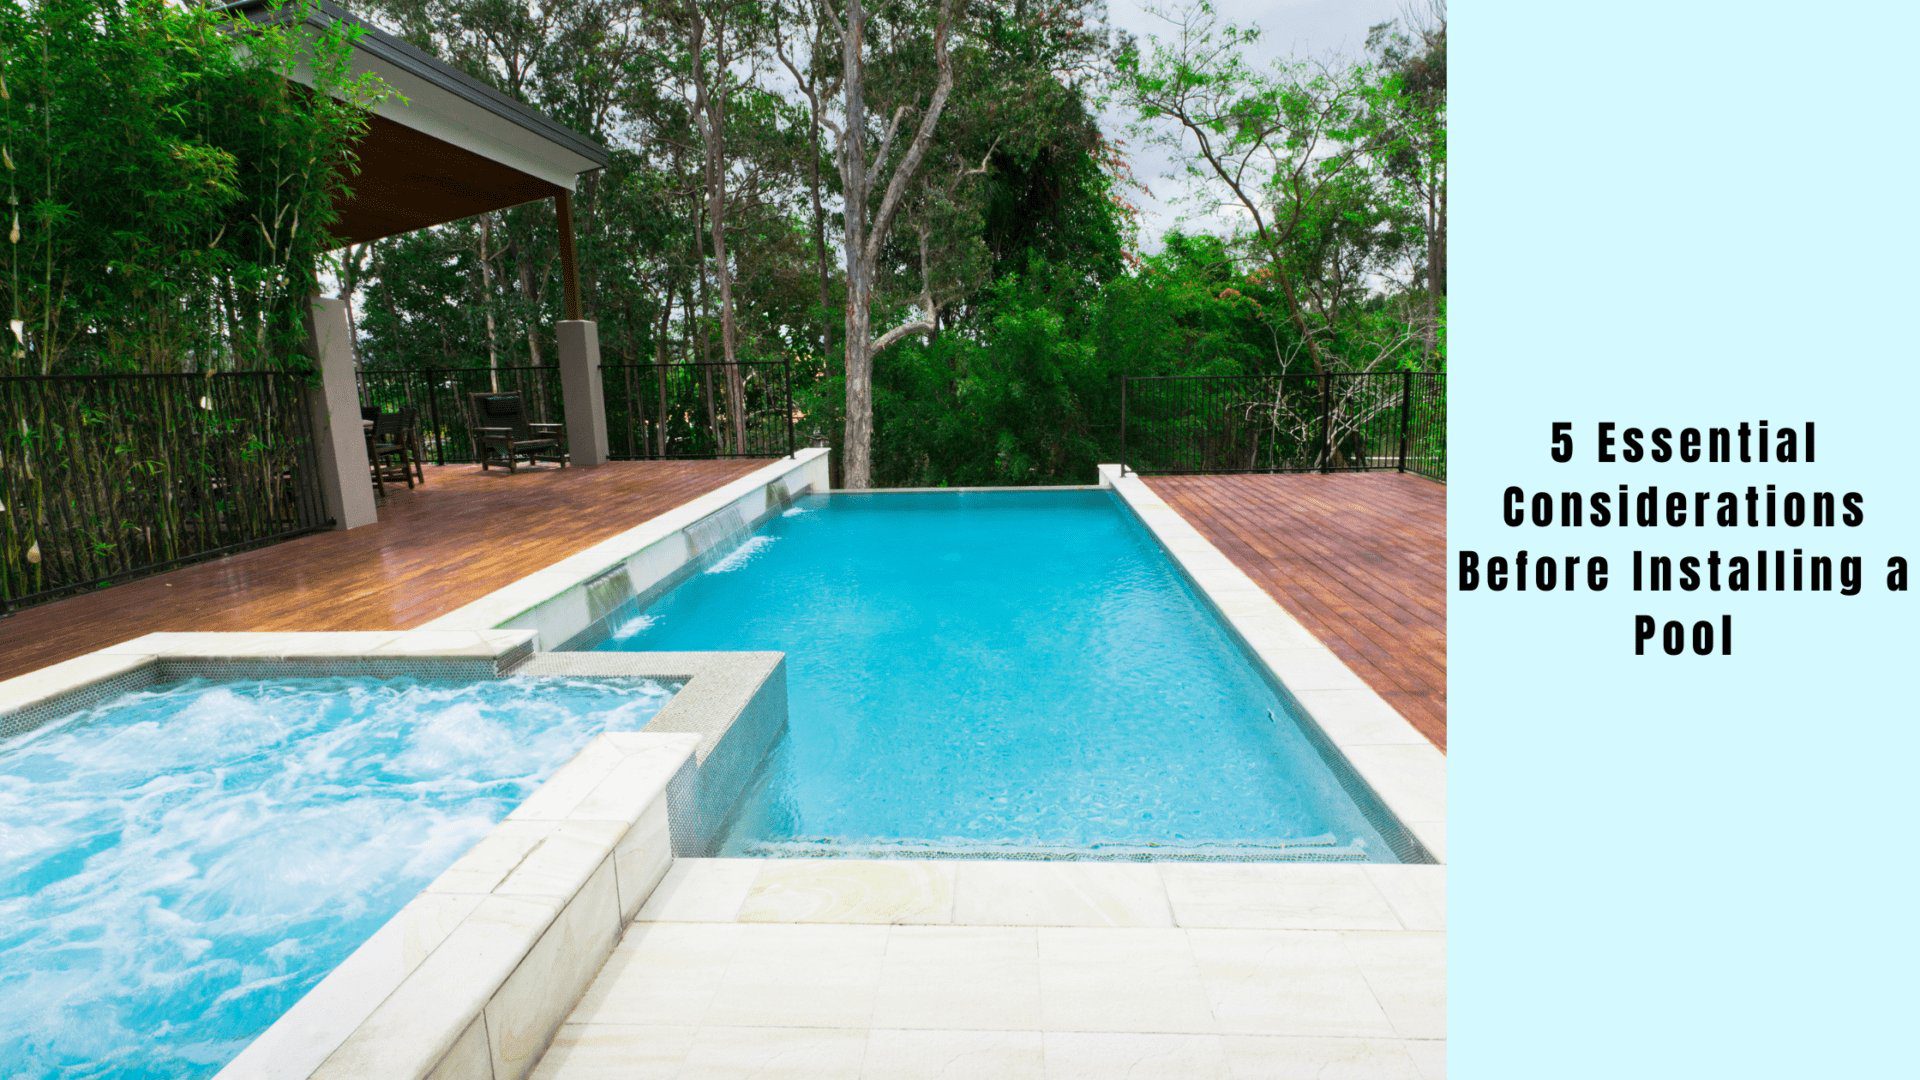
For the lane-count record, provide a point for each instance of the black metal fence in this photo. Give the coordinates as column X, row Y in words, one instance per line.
column 699, row 410
column 108, row 477
column 1336, row 422
column 440, row 398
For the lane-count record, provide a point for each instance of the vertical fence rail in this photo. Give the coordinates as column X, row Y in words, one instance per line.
column 1334, row 422
column 658, row 411
column 110, row 477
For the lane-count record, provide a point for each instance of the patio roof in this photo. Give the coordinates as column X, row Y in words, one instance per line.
column 448, row 146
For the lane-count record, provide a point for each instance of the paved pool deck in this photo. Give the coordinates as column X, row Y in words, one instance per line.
column 957, row 969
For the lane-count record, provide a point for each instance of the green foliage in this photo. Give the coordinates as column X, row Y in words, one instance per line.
column 168, row 192
column 1045, row 301
column 168, row 188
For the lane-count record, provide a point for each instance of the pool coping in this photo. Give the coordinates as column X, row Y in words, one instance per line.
column 1404, row 770
column 476, row 973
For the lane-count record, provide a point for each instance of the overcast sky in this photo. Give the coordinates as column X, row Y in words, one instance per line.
column 1306, row 28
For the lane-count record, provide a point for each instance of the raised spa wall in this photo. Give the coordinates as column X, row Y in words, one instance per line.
column 473, row 977
column 475, row 974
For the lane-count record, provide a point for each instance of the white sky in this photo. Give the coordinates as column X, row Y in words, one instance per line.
column 1304, row 28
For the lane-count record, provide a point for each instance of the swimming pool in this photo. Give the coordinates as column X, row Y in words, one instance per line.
column 179, row 865
column 1011, row 674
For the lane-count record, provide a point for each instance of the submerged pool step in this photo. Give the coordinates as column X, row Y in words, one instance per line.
column 1312, row 849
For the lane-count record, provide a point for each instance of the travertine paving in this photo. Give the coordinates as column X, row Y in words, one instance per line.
column 844, row 968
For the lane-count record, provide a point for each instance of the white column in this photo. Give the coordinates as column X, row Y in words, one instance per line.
column 340, row 441
column 581, row 393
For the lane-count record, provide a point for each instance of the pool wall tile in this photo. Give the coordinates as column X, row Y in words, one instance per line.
column 29, row 701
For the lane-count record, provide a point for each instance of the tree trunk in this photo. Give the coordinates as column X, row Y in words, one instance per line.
column 867, row 226
column 821, row 267
column 525, row 261
column 486, row 301
column 856, row 448
column 660, row 376
column 710, row 112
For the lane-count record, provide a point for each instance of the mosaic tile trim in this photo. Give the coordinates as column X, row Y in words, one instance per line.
column 1404, row 845
column 799, row 849
column 167, row 669
column 79, row 699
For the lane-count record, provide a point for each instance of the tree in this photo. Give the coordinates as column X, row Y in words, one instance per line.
column 168, row 191
column 1291, row 146
column 866, row 225
column 1411, row 110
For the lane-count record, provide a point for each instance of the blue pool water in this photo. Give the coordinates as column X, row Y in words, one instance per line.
column 179, row 865
column 1000, row 673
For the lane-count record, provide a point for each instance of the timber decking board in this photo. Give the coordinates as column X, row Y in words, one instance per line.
column 444, row 544
column 1358, row 558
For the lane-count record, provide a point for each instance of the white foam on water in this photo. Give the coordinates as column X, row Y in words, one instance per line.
column 179, row 865
column 633, row 627
column 795, row 511
column 739, row 557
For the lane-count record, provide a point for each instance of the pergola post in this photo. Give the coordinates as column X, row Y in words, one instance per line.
column 339, row 439
column 581, row 393
column 569, row 266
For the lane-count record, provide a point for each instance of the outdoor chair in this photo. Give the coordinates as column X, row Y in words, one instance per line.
column 410, row 437
column 503, row 435
column 390, row 453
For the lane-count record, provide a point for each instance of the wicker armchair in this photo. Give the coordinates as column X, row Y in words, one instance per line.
column 502, row 435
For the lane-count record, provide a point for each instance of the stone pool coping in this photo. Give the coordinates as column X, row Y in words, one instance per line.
column 1407, row 772
column 475, row 975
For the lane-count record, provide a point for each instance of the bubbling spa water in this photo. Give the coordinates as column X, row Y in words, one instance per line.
column 180, row 865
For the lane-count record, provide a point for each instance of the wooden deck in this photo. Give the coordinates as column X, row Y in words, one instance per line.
column 1359, row 558
column 449, row 542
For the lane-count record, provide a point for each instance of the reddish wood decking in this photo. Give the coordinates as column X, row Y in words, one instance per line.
column 1360, row 559
column 449, row 542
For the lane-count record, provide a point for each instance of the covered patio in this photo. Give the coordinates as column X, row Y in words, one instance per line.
column 445, row 146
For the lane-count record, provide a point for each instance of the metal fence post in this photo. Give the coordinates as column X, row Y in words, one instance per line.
column 1123, row 424
column 433, row 419
column 787, row 372
column 1406, row 414
column 1326, row 423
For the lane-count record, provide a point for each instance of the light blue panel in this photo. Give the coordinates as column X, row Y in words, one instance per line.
column 1696, row 866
